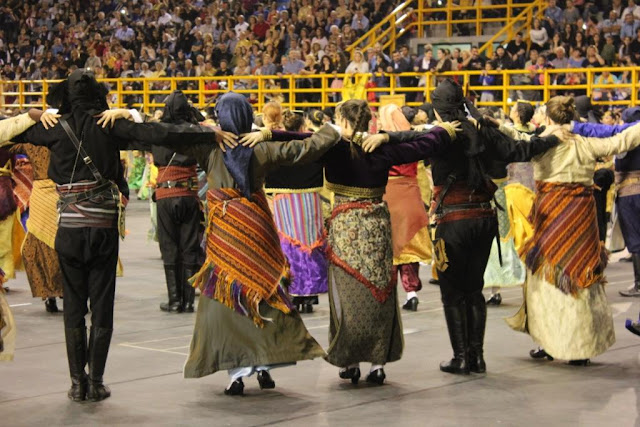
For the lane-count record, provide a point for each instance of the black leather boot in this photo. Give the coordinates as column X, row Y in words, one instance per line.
column 476, row 322
column 174, row 289
column 99, row 342
column 76, row 340
column 634, row 291
column 188, row 291
column 352, row 374
column 51, row 306
column 456, row 316
column 265, row 380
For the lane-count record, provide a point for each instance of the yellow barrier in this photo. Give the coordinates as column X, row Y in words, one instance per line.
column 315, row 91
column 413, row 14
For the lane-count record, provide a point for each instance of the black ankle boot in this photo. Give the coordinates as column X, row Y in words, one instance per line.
column 51, row 306
column 476, row 323
column 539, row 353
column 376, row 377
column 235, row 389
column 188, row 291
column 76, row 340
column 99, row 342
column 456, row 316
column 352, row 374
column 411, row 304
column 174, row 289
column 265, row 380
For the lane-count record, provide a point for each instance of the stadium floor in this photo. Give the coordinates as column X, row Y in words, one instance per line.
column 149, row 349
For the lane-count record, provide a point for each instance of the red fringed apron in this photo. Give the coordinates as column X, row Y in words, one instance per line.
column 245, row 264
column 565, row 247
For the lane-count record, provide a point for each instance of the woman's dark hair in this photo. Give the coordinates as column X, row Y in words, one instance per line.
column 525, row 112
column 357, row 113
column 292, row 122
column 316, row 117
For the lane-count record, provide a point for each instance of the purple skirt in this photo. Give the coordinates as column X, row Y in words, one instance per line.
column 298, row 217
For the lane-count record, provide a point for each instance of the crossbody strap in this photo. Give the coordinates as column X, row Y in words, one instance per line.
column 85, row 157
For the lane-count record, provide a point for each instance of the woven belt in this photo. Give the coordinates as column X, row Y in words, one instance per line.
column 444, row 209
column 190, row 183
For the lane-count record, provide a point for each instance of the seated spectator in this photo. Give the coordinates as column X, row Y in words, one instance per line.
column 487, row 79
column 576, row 60
column 358, row 65
column 538, row 35
column 571, row 14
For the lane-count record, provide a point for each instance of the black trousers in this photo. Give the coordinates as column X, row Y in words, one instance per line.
column 603, row 178
column 467, row 247
column 88, row 259
column 179, row 226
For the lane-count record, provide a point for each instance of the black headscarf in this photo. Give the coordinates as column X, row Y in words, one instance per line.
column 177, row 109
column 585, row 109
column 79, row 92
column 236, row 115
column 449, row 102
column 631, row 115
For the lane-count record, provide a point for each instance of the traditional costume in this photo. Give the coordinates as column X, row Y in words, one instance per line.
column 365, row 324
column 409, row 219
column 627, row 178
column 245, row 322
column 39, row 257
column 565, row 307
column 297, row 211
column 466, row 221
column 179, row 212
column 85, row 166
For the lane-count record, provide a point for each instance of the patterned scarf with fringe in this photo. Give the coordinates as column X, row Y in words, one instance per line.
column 565, row 248
column 245, row 264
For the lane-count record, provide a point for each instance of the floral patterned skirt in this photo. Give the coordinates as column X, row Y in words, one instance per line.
column 365, row 323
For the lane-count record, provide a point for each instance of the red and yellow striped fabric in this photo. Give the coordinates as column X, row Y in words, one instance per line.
column 245, row 264
column 565, row 247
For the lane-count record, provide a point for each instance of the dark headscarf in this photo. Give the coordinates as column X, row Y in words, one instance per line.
column 236, row 115
column 409, row 113
column 449, row 101
column 631, row 115
column 79, row 92
column 585, row 109
column 177, row 109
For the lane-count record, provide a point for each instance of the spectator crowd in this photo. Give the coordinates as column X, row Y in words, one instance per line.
column 46, row 39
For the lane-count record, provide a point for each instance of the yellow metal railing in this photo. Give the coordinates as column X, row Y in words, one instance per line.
column 317, row 90
column 415, row 15
column 520, row 23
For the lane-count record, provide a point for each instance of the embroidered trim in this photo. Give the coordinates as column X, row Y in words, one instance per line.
column 292, row 190
column 359, row 192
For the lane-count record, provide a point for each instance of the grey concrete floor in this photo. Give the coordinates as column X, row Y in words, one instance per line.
column 149, row 348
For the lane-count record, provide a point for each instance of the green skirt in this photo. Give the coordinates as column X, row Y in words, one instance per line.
column 223, row 339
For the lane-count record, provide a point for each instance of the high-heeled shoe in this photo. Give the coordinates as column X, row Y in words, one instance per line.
column 539, row 353
column 495, row 299
column 51, row 306
column 352, row 374
column 376, row 377
column 235, row 389
column 580, row 362
column 411, row 304
column 265, row 380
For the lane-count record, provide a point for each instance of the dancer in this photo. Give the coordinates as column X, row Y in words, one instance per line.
column 297, row 211
column 627, row 178
column 465, row 220
column 84, row 165
column 565, row 307
column 409, row 220
column 365, row 323
column 11, row 231
column 10, row 128
column 504, row 268
column 39, row 257
column 245, row 322
column 179, row 211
